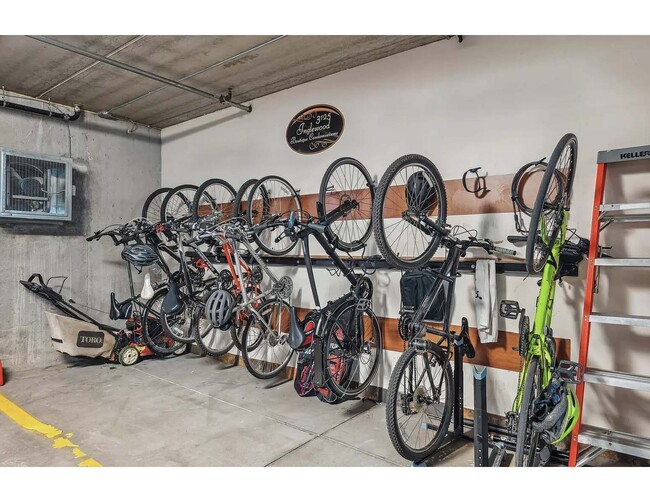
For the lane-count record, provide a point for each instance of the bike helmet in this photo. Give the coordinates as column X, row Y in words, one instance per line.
column 218, row 308
column 140, row 255
column 555, row 412
column 420, row 195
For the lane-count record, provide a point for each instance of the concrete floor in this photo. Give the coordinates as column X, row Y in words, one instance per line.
column 193, row 411
column 187, row 411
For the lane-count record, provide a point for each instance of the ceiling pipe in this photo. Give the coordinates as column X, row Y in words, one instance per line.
column 91, row 65
column 199, row 72
column 143, row 73
column 41, row 111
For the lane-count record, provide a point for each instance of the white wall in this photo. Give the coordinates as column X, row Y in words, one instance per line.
column 495, row 102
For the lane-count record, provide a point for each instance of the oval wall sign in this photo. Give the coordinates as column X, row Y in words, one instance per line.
column 315, row 129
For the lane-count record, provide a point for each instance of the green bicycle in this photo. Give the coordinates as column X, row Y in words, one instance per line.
column 545, row 409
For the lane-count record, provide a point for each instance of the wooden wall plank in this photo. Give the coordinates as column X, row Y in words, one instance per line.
column 493, row 355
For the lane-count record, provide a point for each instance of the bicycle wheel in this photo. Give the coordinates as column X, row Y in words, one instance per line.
column 270, row 198
column 527, row 439
column 348, row 180
column 211, row 340
column 152, row 330
column 552, row 199
column 151, row 208
column 241, row 199
column 420, row 402
column 352, row 350
column 180, row 327
column 177, row 204
column 265, row 350
column 410, row 195
column 214, row 197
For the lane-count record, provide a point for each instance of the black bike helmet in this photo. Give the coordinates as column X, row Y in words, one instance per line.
column 218, row 308
column 420, row 194
column 140, row 255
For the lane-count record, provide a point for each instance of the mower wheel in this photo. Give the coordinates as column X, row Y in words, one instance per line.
column 128, row 355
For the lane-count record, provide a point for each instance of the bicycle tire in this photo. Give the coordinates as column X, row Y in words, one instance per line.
column 394, row 404
column 253, row 356
column 272, row 207
column 151, row 207
column 538, row 251
column 210, row 339
column 353, row 188
column 515, row 189
column 242, row 197
column 177, row 329
column 532, row 391
column 203, row 197
column 379, row 215
column 152, row 331
column 184, row 205
column 334, row 343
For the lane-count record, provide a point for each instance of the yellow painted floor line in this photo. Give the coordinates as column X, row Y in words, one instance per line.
column 59, row 440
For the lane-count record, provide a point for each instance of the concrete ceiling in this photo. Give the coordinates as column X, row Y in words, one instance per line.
column 37, row 69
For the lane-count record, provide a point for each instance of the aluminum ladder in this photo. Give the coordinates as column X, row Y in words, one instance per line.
column 598, row 439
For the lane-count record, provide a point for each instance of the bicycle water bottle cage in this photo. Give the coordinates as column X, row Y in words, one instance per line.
column 570, row 372
column 172, row 304
column 509, row 309
column 120, row 310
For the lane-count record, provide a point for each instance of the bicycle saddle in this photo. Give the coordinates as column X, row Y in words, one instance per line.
column 297, row 335
column 120, row 310
column 172, row 304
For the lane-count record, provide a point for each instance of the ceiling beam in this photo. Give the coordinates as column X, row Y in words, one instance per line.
column 143, row 73
column 199, row 72
column 91, row 65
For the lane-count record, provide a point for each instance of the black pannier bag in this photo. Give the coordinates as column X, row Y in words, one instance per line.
column 414, row 286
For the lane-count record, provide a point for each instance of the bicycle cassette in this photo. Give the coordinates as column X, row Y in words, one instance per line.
column 284, row 287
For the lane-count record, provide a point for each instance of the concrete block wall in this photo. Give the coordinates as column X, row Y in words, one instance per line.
column 113, row 173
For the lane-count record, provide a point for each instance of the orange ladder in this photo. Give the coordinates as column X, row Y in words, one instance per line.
column 599, row 439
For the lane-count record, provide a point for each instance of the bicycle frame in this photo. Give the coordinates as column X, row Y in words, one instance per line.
column 537, row 340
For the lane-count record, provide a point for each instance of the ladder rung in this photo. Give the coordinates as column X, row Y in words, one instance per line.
column 621, row 442
column 627, row 320
column 622, row 262
column 625, row 218
column 617, row 379
column 623, row 206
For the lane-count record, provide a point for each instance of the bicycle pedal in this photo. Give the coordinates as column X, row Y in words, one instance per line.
column 570, row 372
column 509, row 309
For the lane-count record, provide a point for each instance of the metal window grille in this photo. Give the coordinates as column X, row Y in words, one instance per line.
column 35, row 186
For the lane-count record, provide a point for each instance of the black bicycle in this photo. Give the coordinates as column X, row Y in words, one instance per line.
column 340, row 344
column 410, row 224
column 142, row 317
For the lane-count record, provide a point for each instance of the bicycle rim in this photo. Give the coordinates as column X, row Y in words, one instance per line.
column 214, row 198
column 410, row 193
column 552, row 199
column 151, row 208
column 270, row 198
column 527, row 439
column 177, row 204
column 154, row 335
column 265, row 350
column 348, row 180
column 420, row 401
column 241, row 199
column 352, row 351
